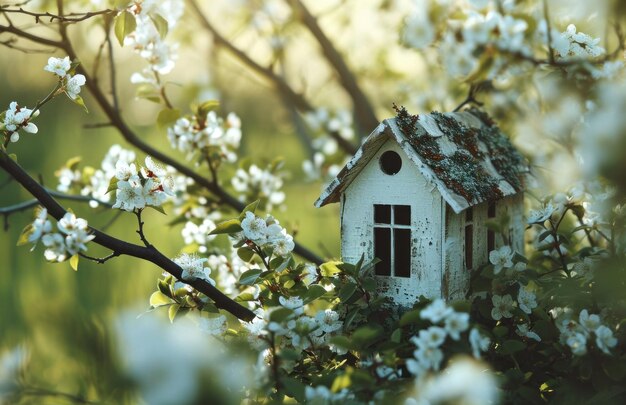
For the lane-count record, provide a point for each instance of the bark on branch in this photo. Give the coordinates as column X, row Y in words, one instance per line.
column 121, row 247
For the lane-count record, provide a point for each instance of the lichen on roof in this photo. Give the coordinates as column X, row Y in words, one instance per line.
column 464, row 154
column 463, row 171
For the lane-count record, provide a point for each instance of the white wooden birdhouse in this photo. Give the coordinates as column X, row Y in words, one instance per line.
column 418, row 195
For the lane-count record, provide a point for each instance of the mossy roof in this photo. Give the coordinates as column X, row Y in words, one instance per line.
column 464, row 154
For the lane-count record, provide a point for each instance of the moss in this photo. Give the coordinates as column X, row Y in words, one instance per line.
column 461, row 135
column 504, row 156
column 407, row 122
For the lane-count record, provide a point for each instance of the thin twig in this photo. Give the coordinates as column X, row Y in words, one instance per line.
column 139, row 231
column 149, row 254
column 100, row 260
column 68, row 18
column 23, row 206
column 546, row 17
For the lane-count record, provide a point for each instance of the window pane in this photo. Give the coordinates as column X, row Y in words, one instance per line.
column 382, row 214
column 402, row 214
column 382, row 250
column 491, row 210
column 469, row 214
column 469, row 247
column 402, row 253
column 491, row 241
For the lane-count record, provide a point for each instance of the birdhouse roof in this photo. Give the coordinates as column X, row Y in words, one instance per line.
column 464, row 154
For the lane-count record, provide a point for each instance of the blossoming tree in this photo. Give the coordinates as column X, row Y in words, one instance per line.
column 273, row 321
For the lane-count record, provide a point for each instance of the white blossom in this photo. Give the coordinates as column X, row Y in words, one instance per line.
column 429, row 357
column 432, row 337
column 129, row 195
column 541, row 215
column 456, row 323
column 436, row 311
column 73, row 85
column 501, row 258
column 502, row 307
column 41, row 225
column 578, row 343
column 193, row 268
column 478, row 342
column 55, row 247
column 253, row 227
column 17, row 117
column 590, row 322
column 605, row 339
column 328, row 320
column 58, row 66
column 526, row 299
column 215, row 325
column 294, row 303
column 524, row 331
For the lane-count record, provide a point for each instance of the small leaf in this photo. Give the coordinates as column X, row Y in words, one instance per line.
column 172, row 312
column 112, row 185
column 250, row 207
column 250, row 276
column 78, row 100
column 245, row 253
column 160, row 23
column 124, row 24
column 512, row 346
column 329, row 269
column 346, row 292
column 280, row 314
column 13, row 157
column 366, row 335
column 74, row 262
column 396, row 336
column 229, row 226
column 26, row 232
column 314, row 292
column 158, row 299
column 157, row 208
column 411, row 317
column 167, row 117
column 206, row 107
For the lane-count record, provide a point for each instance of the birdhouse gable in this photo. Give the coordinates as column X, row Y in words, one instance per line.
column 463, row 154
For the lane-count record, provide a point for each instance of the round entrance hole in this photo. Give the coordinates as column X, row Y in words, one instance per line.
column 390, row 162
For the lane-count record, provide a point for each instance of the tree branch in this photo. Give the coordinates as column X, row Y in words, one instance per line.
column 122, row 247
column 23, row 206
column 69, row 18
column 365, row 116
column 283, row 88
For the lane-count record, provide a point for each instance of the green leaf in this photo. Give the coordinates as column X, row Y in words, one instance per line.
column 500, row 331
column 172, row 312
column 13, row 157
column 147, row 92
column 411, row 317
column 396, row 336
column 512, row 346
column 112, row 185
column 366, row 335
column 245, row 253
column 341, row 341
column 314, row 292
column 250, row 276
column 246, row 296
column 206, row 107
column 369, row 284
column 250, row 207
column 280, row 314
column 160, row 23
column 26, row 232
column 229, row 226
column 293, row 387
column 346, row 292
column 164, row 288
column 79, row 101
column 158, row 299
column 329, row 269
column 157, row 208
column 124, row 24
column 167, row 117
column 74, row 262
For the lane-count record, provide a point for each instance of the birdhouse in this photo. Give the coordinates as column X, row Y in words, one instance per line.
column 418, row 195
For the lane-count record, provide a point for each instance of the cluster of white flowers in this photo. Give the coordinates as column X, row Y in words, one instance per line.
column 524, row 331
column 478, row 30
column 322, row 395
column 428, row 355
column 137, row 189
column 16, row 118
column 419, row 31
column 575, row 334
column 501, row 258
column 71, row 84
column 322, row 123
column 198, row 234
column 259, row 183
column 267, row 233
column 190, row 134
column 573, row 44
column 71, row 239
column 213, row 325
column 147, row 41
column 526, row 299
column 194, row 268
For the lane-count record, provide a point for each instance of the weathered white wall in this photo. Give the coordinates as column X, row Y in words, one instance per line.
column 408, row 187
column 456, row 277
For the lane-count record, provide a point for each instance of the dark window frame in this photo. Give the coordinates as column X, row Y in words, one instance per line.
column 393, row 239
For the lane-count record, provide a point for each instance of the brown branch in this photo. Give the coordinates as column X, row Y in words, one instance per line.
column 68, row 18
column 122, row 247
column 365, row 116
column 283, row 88
column 11, row 29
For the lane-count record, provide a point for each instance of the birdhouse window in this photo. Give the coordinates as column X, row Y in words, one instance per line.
column 491, row 235
column 469, row 239
column 390, row 162
column 392, row 240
